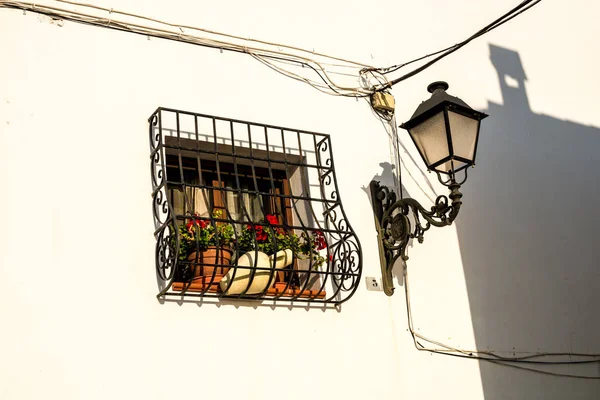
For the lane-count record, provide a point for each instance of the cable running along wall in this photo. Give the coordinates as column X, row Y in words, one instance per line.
column 249, row 211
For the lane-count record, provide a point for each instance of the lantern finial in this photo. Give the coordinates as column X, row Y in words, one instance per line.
column 438, row 85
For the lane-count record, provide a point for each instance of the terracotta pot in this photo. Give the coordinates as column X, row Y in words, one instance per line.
column 205, row 262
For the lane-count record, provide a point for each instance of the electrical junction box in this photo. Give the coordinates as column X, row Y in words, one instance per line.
column 383, row 101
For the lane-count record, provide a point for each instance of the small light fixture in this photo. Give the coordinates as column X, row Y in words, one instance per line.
column 445, row 131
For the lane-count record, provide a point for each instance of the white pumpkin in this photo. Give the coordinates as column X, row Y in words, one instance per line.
column 262, row 279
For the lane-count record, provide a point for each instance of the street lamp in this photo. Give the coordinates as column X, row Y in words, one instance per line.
column 445, row 131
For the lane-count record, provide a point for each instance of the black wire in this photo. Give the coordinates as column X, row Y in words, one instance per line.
column 540, row 371
column 524, row 6
column 394, row 68
column 495, row 24
column 498, row 22
column 507, row 361
column 521, row 8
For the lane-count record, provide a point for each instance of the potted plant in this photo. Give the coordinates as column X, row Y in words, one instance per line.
column 271, row 239
column 266, row 245
column 205, row 246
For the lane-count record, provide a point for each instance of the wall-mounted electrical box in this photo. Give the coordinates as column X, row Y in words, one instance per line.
column 383, row 101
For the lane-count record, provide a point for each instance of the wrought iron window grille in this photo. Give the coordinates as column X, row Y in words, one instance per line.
column 245, row 210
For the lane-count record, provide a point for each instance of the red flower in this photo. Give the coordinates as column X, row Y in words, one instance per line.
column 261, row 235
column 331, row 257
column 272, row 219
column 319, row 239
column 196, row 222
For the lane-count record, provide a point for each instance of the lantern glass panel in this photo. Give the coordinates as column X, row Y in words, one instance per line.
column 430, row 138
column 464, row 135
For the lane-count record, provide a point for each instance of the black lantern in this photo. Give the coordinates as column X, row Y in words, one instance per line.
column 445, row 130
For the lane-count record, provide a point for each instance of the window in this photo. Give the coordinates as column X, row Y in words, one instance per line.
column 250, row 211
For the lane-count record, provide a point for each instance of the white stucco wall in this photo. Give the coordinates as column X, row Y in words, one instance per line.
column 79, row 315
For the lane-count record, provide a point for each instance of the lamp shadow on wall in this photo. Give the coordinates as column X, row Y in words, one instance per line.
column 528, row 233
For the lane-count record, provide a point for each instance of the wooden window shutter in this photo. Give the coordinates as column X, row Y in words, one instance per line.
column 218, row 202
column 288, row 213
column 275, row 204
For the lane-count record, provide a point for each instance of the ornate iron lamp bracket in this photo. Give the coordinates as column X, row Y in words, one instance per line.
column 395, row 229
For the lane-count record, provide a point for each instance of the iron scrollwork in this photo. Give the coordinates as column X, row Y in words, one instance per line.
column 395, row 229
column 346, row 253
column 187, row 158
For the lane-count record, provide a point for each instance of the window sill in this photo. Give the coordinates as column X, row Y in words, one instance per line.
column 204, row 285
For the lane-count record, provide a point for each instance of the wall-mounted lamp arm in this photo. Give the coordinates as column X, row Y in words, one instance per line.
column 445, row 131
column 395, row 228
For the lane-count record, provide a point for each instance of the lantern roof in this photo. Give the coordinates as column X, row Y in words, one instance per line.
column 439, row 100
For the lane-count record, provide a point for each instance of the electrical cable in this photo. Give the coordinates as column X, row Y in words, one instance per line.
column 492, row 356
column 181, row 35
column 539, row 371
column 302, row 79
column 398, row 160
column 257, row 52
column 394, row 68
column 297, row 77
column 391, row 127
column 521, row 8
column 211, row 32
column 262, row 55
